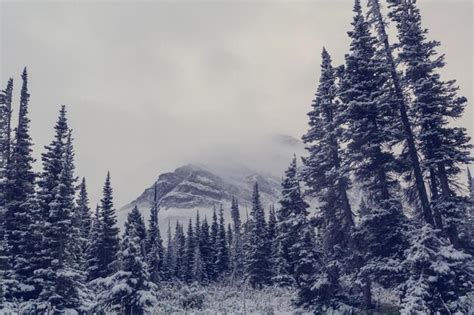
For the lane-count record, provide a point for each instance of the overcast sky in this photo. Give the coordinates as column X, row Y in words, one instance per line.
column 151, row 85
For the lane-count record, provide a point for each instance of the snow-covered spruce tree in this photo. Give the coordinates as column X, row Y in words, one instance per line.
column 199, row 268
column 439, row 275
column 435, row 105
column 206, row 250
column 52, row 160
column 108, row 238
column 180, row 246
column 326, row 175
column 48, row 197
column 412, row 166
column 139, row 224
column 371, row 116
column 129, row 290
column 296, row 241
column 199, row 260
column 5, row 136
column 281, row 275
column 222, row 249
column 3, row 258
column 272, row 224
column 19, row 218
column 189, row 253
column 257, row 256
column 315, row 290
column 82, row 216
column 467, row 231
column 63, row 279
column 92, row 255
column 237, row 245
column 154, row 244
column 213, row 236
column 229, row 238
column 292, row 214
column 169, row 256
column 5, row 153
column 272, row 239
column 324, row 171
column 197, row 228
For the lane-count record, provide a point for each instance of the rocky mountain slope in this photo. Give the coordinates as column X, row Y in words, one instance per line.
column 203, row 186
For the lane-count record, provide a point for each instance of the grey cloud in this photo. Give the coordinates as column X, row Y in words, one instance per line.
column 151, row 85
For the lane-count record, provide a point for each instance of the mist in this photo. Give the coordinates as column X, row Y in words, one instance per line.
column 150, row 86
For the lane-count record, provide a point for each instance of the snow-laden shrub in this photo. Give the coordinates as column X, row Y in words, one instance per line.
column 224, row 299
column 192, row 297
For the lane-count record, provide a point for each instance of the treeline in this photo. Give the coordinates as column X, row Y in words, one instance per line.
column 380, row 123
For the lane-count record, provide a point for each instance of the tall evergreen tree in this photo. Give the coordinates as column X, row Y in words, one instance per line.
column 467, row 237
column 130, row 290
column 190, row 249
column 19, row 220
column 5, row 135
column 386, row 51
column 52, row 163
column 325, row 172
column 292, row 215
column 61, row 237
column 237, row 242
column 154, row 244
column 229, row 238
column 439, row 275
column 55, row 215
column 206, row 250
column 92, row 250
column 281, row 275
column 108, row 240
column 222, row 250
column 372, row 128
column 435, row 105
column 257, row 264
column 315, row 284
column 369, row 112
column 272, row 225
column 170, row 256
column 296, row 256
column 82, row 215
column 197, row 228
column 139, row 224
column 68, row 278
column 272, row 238
column 180, row 244
column 213, row 237
column 199, row 268
column 5, row 153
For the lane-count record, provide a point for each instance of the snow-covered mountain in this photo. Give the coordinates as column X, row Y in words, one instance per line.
column 204, row 185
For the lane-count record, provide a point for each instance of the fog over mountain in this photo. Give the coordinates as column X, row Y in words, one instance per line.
column 199, row 78
column 215, row 177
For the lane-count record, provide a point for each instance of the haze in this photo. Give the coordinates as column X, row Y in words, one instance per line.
column 152, row 85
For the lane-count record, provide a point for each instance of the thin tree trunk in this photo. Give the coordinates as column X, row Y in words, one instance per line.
column 367, row 293
column 420, row 185
column 435, row 196
column 451, row 228
column 341, row 186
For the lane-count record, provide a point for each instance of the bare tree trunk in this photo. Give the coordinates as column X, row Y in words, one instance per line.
column 367, row 293
column 412, row 152
column 435, row 196
column 446, row 192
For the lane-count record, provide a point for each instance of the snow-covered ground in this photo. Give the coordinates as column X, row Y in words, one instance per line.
column 219, row 299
